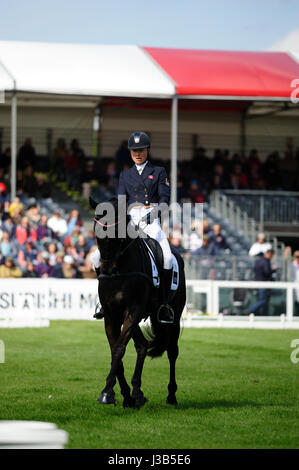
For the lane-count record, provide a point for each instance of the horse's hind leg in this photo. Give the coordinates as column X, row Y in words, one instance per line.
column 172, row 353
column 141, row 346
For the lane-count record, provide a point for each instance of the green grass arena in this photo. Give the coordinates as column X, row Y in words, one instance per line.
column 236, row 388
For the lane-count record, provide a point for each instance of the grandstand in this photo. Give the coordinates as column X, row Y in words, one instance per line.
column 236, row 150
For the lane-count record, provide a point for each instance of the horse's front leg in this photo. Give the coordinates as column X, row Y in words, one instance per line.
column 141, row 346
column 117, row 353
column 112, row 333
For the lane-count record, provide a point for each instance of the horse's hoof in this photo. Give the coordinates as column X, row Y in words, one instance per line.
column 107, row 398
column 139, row 401
column 129, row 403
column 171, row 401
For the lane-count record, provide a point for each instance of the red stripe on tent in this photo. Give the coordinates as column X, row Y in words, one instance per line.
column 228, row 73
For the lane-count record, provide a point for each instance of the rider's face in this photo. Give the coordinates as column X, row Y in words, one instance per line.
column 139, row 156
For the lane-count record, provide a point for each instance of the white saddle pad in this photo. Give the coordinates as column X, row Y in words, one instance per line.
column 155, row 274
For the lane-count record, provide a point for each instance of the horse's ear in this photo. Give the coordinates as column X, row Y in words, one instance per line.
column 92, row 202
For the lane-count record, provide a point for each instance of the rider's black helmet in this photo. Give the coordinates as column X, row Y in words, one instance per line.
column 139, row 140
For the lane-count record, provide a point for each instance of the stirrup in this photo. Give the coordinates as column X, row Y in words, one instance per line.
column 170, row 318
column 99, row 314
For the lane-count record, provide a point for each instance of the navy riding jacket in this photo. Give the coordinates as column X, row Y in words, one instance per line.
column 152, row 186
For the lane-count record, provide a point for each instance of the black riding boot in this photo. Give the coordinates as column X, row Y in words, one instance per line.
column 98, row 313
column 165, row 312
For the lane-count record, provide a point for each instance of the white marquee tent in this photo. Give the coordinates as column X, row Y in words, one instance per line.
column 131, row 71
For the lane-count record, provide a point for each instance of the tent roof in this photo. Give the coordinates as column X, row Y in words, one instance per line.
column 132, row 71
column 225, row 74
column 81, row 69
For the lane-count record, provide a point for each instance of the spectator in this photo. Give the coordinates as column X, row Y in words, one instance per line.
column 195, row 193
column 68, row 268
column 26, row 156
column 5, row 159
column 42, row 188
column 30, row 270
column 177, row 244
column 81, row 247
column 9, row 226
column 207, row 248
column 60, row 154
column 73, row 238
column 238, row 179
column 16, row 207
column 57, row 268
column 33, row 214
column 9, row 269
column 295, row 278
column 4, row 179
column 88, row 174
column 260, row 246
column 111, row 178
column 52, row 249
column 123, row 156
column 195, row 239
column 72, row 162
column 206, row 229
column 3, row 196
column 24, row 232
column 219, row 241
column 29, row 182
column 78, row 153
column 73, row 221
column 253, row 159
column 263, row 271
column 254, row 177
column 57, row 224
column 200, row 162
column 90, row 239
column 43, row 232
column 5, row 245
column 43, row 269
column 182, row 193
column 19, row 182
column 87, row 271
column 27, row 253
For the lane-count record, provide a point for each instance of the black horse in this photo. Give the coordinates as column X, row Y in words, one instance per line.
column 127, row 295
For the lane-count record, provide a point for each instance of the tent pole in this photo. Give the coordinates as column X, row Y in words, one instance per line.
column 13, row 144
column 13, row 133
column 174, row 149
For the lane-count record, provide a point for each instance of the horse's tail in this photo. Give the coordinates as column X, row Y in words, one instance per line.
column 160, row 342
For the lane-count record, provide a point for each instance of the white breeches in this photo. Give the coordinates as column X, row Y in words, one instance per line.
column 153, row 230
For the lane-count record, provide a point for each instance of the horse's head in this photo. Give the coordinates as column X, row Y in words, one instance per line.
column 110, row 227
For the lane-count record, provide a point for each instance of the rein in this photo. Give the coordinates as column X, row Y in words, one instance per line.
column 103, row 225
